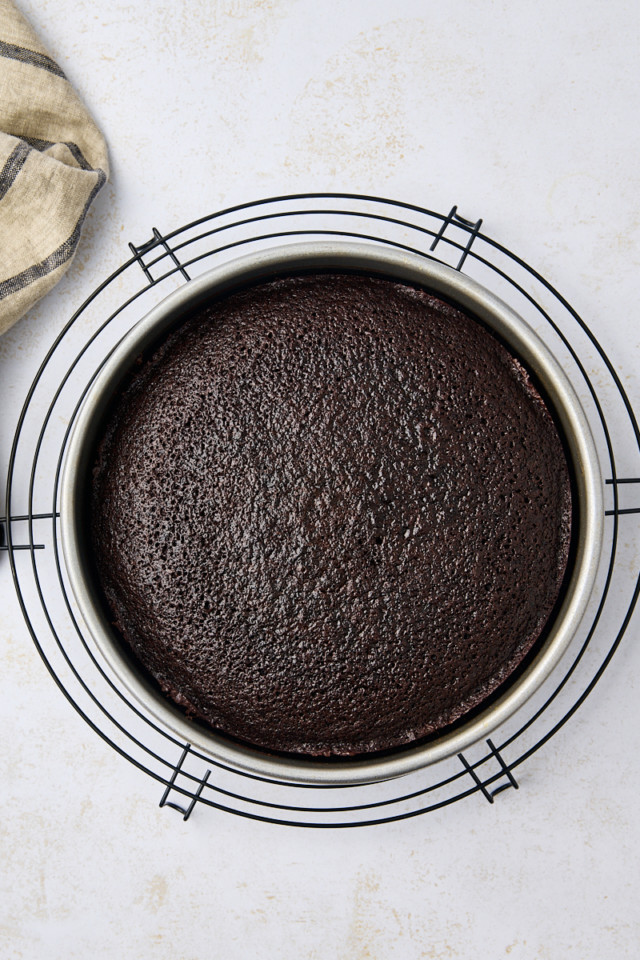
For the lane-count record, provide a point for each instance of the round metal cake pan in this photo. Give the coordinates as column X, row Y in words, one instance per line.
column 378, row 261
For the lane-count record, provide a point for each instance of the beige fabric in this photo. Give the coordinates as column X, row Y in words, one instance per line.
column 53, row 162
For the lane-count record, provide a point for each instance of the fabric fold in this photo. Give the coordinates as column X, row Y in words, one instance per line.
column 53, row 162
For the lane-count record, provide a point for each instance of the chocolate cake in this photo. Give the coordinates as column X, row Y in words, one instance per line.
column 330, row 514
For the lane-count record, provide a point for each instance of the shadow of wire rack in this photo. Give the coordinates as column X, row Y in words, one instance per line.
column 30, row 529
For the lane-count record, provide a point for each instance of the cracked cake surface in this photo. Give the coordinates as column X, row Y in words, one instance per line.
column 330, row 514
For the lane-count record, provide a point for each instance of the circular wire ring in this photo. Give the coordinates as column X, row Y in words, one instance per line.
column 32, row 513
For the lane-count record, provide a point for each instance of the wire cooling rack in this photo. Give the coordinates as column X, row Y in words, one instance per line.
column 30, row 529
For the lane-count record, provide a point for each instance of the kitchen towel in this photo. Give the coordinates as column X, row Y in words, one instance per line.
column 53, row 162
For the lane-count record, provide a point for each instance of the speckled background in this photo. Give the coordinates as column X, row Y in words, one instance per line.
column 524, row 114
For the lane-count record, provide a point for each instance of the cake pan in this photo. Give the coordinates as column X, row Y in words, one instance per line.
column 376, row 261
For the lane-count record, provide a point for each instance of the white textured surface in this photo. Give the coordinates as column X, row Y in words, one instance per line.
column 525, row 114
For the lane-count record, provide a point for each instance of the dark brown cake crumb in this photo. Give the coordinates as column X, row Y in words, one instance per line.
column 330, row 515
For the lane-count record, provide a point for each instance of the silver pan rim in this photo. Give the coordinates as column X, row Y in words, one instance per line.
column 405, row 267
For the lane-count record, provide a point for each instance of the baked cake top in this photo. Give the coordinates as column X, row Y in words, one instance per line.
column 330, row 514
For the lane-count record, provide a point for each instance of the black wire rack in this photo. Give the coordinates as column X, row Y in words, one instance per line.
column 30, row 530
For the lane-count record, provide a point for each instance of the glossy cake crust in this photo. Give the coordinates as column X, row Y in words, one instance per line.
column 330, row 515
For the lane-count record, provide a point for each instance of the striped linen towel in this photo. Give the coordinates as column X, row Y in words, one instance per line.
column 53, row 162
